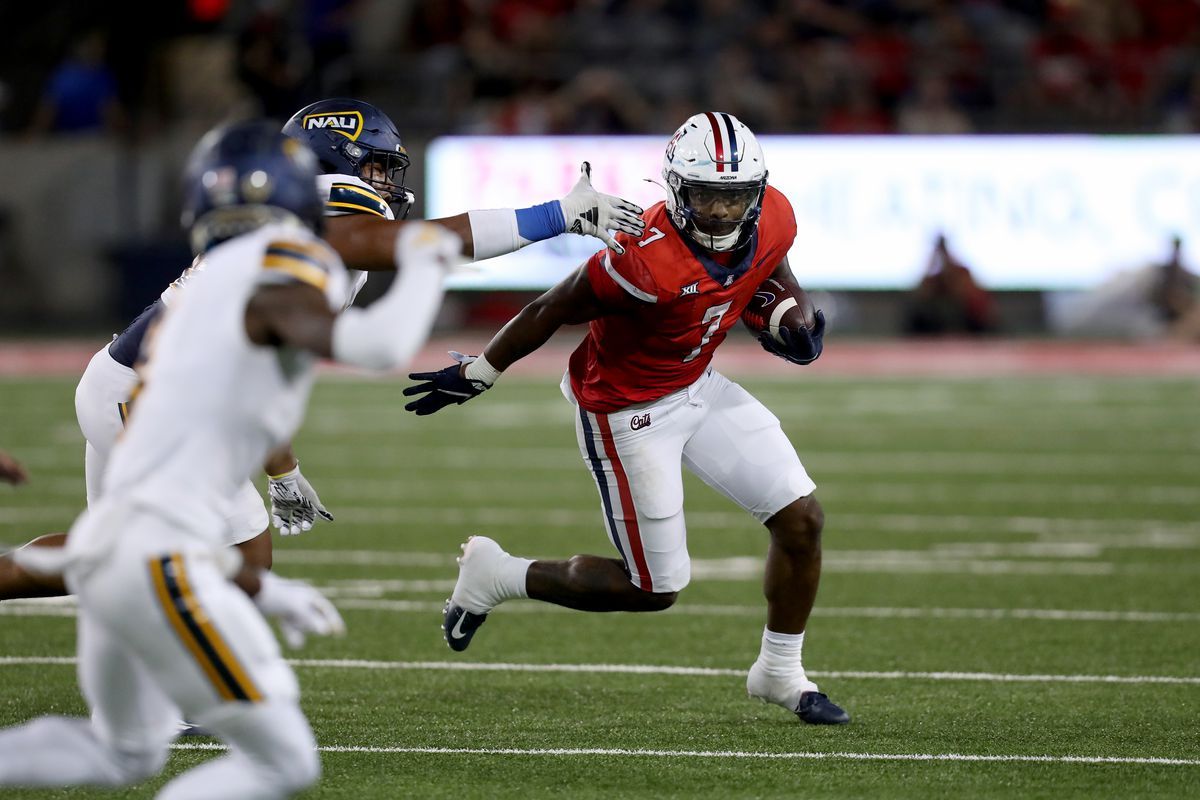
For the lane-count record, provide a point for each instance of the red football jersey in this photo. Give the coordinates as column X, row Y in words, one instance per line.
column 672, row 305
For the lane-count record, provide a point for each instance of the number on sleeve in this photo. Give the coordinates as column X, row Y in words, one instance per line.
column 713, row 315
column 657, row 234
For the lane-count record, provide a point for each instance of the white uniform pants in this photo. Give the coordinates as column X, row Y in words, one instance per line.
column 717, row 430
column 163, row 634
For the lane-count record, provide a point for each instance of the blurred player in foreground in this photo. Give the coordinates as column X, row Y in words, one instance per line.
column 363, row 165
column 169, row 616
column 648, row 399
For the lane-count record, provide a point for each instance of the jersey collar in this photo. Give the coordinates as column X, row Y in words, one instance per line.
column 723, row 276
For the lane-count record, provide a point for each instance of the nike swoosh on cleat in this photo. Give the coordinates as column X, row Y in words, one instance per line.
column 456, row 631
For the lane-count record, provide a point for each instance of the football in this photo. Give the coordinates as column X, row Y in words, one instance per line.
column 774, row 306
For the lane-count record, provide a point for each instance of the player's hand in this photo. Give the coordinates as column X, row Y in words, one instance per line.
column 11, row 470
column 444, row 387
column 801, row 345
column 295, row 505
column 591, row 213
column 299, row 608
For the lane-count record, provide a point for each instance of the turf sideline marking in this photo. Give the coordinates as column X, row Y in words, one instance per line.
column 814, row 756
column 652, row 669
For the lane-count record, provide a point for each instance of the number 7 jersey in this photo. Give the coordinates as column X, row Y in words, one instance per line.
column 671, row 305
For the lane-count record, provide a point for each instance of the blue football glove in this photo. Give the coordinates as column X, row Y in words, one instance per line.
column 800, row 346
column 444, row 387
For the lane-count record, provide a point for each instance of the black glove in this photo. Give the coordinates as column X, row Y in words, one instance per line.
column 800, row 345
column 444, row 387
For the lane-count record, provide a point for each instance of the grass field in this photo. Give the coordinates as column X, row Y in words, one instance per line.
column 1010, row 603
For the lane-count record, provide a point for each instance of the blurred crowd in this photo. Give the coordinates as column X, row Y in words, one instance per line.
column 617, row 66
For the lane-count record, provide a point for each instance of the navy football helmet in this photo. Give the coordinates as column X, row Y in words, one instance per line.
column 351, row 137
column 246, row 175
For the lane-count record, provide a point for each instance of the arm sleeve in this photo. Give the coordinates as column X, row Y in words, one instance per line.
column 387, row 334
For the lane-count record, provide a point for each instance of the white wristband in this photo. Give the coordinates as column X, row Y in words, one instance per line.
column 481, row 370
column 494, row 231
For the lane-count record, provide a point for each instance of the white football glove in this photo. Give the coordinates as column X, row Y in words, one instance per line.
column 595, row 214
column 299, row 608
column 294, row 503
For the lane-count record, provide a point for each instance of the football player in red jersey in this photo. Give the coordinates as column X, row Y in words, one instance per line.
column 648, row 400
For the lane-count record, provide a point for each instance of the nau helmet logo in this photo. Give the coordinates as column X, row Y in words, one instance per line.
column 347, row 123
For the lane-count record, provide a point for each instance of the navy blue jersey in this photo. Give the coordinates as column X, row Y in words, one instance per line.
column 128, row 343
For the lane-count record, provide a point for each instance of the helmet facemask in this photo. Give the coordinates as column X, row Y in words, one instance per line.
column 719, row 217
column 222, row 224
column 384, row 171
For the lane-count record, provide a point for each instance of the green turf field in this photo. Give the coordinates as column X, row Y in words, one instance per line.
column 1010, row 605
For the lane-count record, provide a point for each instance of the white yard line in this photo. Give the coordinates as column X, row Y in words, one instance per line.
column 517, row 459
column 743, row 754
column 651, row 669
column 366, row 598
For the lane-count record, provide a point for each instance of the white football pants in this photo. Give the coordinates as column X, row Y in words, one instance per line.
column 715, row 428
column 163, row 635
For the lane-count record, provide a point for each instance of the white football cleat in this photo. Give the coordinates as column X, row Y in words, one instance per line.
column 795, row 693
column 475, row 593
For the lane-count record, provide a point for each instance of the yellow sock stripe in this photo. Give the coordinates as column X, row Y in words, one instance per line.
column 181, row 630
column 123, row 410
column 301, row 271
column 233, row 667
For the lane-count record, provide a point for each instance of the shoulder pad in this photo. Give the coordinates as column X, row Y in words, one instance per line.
column 309, row 262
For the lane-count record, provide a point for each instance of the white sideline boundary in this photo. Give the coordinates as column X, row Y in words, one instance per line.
column 807, row 756
column 654, row 669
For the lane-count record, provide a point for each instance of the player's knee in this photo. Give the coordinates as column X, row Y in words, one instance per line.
column 658, row 601
column 798, row 526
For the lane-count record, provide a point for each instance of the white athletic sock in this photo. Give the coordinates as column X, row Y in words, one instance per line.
column 781, row 658
column 62, row 751
column 510, row 578
column 782, row 650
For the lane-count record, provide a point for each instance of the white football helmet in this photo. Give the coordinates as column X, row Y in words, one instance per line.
column 716, row 177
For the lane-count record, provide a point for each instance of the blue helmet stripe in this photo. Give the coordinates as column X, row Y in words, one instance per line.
column 733, row 142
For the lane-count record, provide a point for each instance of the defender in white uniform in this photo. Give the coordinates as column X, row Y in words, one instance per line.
column 167, row 623
column 363, row 164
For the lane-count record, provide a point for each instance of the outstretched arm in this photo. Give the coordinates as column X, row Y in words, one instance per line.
column 365, row 242
column 570, row 302
column 382, row 336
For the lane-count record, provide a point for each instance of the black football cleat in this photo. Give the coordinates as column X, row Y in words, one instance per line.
column 816, row 708
column 459, row 625
column 188, row 729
